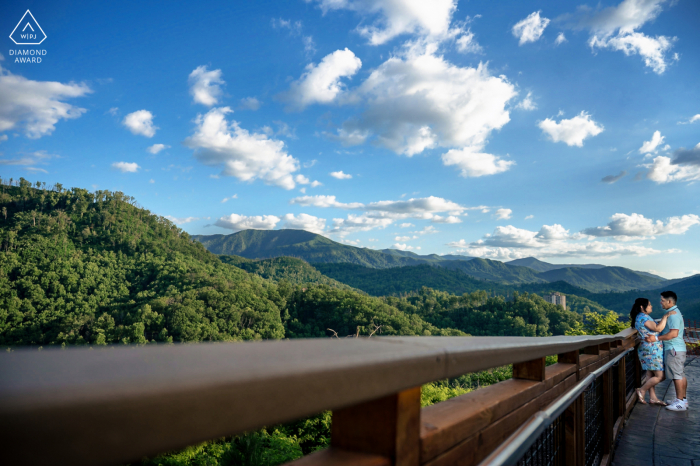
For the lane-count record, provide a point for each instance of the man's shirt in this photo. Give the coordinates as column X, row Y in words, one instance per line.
column 674, row 322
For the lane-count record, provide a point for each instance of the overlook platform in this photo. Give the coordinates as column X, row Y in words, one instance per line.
column 655, row 436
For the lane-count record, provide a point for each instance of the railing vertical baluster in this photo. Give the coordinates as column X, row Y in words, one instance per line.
column 530, row 370
column 608, row 416
column 388, row 426
column 572, row 357
column 622, row 391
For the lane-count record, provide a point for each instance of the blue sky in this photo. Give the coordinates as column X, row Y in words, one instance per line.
column 568, row 132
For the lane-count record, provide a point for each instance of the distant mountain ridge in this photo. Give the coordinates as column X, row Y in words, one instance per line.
column 317, row 249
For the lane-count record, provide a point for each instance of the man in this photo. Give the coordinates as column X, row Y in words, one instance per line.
column 674, row 350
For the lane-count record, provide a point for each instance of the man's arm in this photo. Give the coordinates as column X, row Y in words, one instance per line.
column 673, row 333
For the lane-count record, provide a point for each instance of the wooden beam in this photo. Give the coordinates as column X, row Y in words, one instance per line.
column 593, row 349
column 530, row 370
column 388, row 426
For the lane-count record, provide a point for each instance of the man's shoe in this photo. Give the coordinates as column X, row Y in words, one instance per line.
column 677, row 405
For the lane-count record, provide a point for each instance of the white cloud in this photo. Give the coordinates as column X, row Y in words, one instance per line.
column 530, row 29
column 155, row 148
column 406, row 225
column 448, row 219
column 340, row 175
column 527, row 103
column 205, row 86
column 663, row 170
column 402, row 238
column 113, row 111
column 423, row 208
column 503, row 214
column 416, row 100
column 126, row 167
column 226, row 199
column 356, row 223
column 509, row 242
column 403, row 247
column 475, row 164
column 3, row 137
column 151, row 181
column 237, row 222
column 398, row 17
column 321, row 83
column 616, row 28
column 301, row 179
column 34, row 107
column 529, row 217
column 572, row 131
column 250, row 103
column 304, row 222
column 30, row 160
column 561, row 38
column 181, row 221
column 623, row 225
column 466, row 43
column 140, row 122
column 651, row 145
column 695, row 118
column 244, row 155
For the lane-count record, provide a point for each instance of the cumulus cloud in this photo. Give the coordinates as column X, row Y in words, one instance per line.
column 636, row 225
column 684, row 167
column 356, row 223
column 321, row 83
column 205, row 85
column 244, row 155
column 509, row 242
column 126, row 167
column 340, row 175
column 527, row 103
column 466, row 43
column 396, row 17
column 531, row 28
column 503, row 214
column 448, row 219
column 140, row 122
column 616, row 28
column 226, row 199
column 34, row 107
column 404, row 247
column 610, row 179
column 304, row 222
column 301, row 179
column 651, row 145
column 529, row 217
column 561, row 38
column 237, row 222
column 155, row 148
column 474, row 164
column 572, row 131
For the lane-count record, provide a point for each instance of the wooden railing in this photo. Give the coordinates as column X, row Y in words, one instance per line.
column 114, row 405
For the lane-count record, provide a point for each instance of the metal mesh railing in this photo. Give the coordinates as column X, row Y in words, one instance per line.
column 593, row 422
column 629, row 373
column 615, row 389
column 549, row 448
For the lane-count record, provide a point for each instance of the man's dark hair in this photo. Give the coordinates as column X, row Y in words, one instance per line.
column 670, row 294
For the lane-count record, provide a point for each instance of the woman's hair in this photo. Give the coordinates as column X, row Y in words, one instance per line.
column 639, row 304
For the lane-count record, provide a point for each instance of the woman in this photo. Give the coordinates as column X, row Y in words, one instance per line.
column 651, row 355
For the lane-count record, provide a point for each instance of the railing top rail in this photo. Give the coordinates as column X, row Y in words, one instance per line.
column 190, row 393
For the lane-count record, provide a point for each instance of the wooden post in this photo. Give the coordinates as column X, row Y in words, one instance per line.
column 388, row 426
column 637, row 370
column 595, row 349
column 572, row 357
column 622, row 379
column 574, row 452
column 608, row 416
column 530, row 370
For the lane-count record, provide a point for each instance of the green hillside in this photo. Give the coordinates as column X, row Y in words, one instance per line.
column 604, row 279
column 294, row 271
column 496, row 271
column 260, row 244
column 541, row 266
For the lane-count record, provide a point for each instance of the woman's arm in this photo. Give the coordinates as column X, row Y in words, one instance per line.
column 654, row 327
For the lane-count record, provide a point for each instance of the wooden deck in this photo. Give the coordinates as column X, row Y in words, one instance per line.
column 654, row 436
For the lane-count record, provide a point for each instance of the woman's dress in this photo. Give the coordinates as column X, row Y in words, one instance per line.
column 651, row 355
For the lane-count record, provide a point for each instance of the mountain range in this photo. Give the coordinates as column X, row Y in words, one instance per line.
column 317, row 249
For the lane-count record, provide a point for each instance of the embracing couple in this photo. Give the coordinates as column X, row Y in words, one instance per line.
column 662, row 349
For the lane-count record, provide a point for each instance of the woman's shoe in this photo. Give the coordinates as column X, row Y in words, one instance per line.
column 640, row 397
column 657, row 402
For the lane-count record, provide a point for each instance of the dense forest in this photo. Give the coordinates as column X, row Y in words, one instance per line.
column 94, row 268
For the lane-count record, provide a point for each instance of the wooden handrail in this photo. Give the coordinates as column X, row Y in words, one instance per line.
column 113, row 405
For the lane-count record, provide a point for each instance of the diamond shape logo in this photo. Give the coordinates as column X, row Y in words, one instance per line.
column 28, row 31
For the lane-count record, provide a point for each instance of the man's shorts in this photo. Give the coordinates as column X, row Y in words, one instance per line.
column 673, row 365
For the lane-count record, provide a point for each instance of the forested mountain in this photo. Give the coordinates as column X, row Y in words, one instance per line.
column 486, row 269
column 541, row 266
column 603, row 279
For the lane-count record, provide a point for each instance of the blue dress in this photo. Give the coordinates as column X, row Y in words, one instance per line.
column 651, row 355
